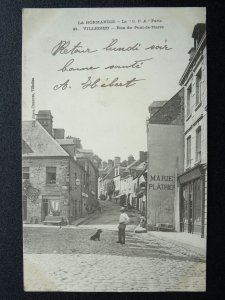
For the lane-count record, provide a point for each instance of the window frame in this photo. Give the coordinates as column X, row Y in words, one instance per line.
column 198, row 100
column 51, row 181
column 188, row 101
column 197, row 142
column 188, row 151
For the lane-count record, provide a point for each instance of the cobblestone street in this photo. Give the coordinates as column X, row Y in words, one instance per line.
column 65, row 259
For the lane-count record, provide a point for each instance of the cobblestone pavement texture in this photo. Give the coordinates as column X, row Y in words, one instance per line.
column 67, row 260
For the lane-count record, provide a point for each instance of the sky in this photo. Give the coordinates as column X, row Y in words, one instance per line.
column 111, row 120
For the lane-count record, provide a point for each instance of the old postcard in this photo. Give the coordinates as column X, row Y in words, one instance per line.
column 114, row 135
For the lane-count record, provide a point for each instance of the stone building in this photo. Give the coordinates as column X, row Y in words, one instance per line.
column 193, row 195
column 49, row 175
column 89, row 184
column 165, row 136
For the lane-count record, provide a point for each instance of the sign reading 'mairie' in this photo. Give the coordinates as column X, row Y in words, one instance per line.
column 161, row 182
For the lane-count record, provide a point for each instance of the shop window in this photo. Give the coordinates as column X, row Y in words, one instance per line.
column 198, row 87
column 26, row 172
column 50, row 175
column 189, row 91
column 188, row 152
column 198, row 144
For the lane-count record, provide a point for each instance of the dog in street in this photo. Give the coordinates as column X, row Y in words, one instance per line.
column 96, row 236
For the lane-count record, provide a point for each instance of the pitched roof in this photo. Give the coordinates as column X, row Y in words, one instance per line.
column 110, row 174
column 65, row 141
column 133, row 164
column 158, row 103
column 142, row 166
column 172, row 112
column 40, row 141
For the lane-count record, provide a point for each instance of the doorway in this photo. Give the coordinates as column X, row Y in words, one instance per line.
column 45, row 209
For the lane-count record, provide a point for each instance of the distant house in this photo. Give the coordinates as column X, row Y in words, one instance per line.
column 89, row 183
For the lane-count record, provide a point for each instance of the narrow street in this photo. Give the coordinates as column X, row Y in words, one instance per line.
column 66, row 259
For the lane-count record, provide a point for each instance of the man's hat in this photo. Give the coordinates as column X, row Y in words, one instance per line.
column 122, row 209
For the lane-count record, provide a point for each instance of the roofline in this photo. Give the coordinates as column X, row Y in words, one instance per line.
column 113, row 168
column 182, row 79
column 54, row 140
column 155, row 114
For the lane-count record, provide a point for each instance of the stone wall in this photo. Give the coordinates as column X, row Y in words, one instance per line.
column 64, row 189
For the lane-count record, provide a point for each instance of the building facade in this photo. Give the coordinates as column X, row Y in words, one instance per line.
column 165, row 142
column 49, row 177
column 193, row 182
column 89, row 184
column 58, row 180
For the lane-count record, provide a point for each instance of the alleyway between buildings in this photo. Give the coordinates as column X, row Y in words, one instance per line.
column 65, row 259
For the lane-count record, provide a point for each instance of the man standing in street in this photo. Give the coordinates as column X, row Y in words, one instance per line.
column 123, row 221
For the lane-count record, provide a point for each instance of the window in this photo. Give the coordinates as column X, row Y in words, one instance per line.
column 188, row 151
column 26, row 174
column 50, row 175
column 198, row 145
column 198, row 87
column 189, row 90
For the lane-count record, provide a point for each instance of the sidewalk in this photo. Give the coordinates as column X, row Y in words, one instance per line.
column 186, row 240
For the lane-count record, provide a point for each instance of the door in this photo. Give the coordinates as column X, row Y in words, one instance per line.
column 75, row 209
column 197, row 215
column 184, row 208
column 45, row 209
column 190, row 212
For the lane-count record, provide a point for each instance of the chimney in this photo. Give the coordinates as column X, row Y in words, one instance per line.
column 59, row 133
column 130, row 159
column 45, row 118
column 142, row 156
column 110, row 163
column 198, row 33
column 116, row 161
